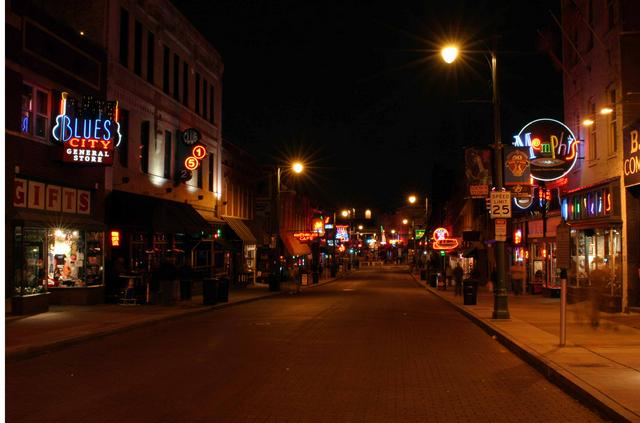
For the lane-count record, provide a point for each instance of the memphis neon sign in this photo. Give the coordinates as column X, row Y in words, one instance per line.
column 89, row 131
column 442, row 240
column 553, row 148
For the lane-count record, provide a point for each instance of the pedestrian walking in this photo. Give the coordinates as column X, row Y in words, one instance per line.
column 458, row 273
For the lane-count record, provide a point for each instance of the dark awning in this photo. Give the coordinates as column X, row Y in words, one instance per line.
column 293, row 246
column 152, row 214
column 240, row 229
column 56, row 220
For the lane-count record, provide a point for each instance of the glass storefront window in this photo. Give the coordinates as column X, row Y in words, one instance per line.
column 29, row 268
column 75, row 258
column 597, row 251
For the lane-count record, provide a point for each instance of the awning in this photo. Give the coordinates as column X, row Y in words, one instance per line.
column 56, row 220
column 293, row 246
column 257, row 228
column 243, row 232
column 209, row 215
column 145, row 213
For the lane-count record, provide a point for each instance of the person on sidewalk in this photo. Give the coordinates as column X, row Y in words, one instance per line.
column 517, row 276
column 458, row 273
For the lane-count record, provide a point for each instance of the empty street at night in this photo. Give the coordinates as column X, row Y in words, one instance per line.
column 372, row 346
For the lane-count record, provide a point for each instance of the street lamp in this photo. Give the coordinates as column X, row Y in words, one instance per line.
column 500, row 298
column 296, row 167
column 412, row 199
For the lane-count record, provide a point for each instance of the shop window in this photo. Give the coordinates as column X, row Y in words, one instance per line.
column 75, row 258
column 35, row 111
column 29, row 269
column 151, row 57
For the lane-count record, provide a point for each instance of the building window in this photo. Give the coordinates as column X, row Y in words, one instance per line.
column 593, row 141
column 611, row 17
column 167, row 154
column 137, row 48
column 204, row 98
column 211, row 170
column 613, row 124
column 165, row 69
column 200, row 175
column 124, row 37
column 211, row 104
column 123, row 148
column 176, row 77
column 197, row 107
column 590, row 26
column 144, row 146
column 35, row 111
column 185, row 84
column 151, row 57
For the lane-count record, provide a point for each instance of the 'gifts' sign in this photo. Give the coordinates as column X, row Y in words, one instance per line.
column 89, row 131
column 55, row 198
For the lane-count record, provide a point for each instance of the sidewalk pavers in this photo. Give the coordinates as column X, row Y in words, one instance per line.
column 599, row 365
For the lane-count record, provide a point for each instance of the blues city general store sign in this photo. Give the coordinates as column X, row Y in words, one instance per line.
column 553, row 149
column 89, row 130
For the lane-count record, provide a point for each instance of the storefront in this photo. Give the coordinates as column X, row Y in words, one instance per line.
column 144, row 232
column 58, row 245
column 246, row 266
column 596, row 243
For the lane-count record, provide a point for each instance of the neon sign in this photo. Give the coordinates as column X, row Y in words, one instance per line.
column 442, row 240
column 305, row 236
column 553, row 148
column 198, row 153
column 88, row 130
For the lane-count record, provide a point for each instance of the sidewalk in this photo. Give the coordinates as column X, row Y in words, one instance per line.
column 600, row 366
column 27, row 336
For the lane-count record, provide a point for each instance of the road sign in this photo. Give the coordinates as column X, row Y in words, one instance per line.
column 501, row 229
column 500, row 204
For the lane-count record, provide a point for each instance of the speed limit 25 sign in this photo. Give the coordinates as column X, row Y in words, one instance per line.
column 500, row 204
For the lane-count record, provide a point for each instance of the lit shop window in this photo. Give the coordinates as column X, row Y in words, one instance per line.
column 75, row 258
column 34, row 111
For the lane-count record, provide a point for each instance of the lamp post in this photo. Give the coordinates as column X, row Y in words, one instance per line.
column 296, row 167
column 500, row 298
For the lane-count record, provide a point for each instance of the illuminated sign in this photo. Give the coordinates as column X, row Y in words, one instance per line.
column 89, row 131
column 198, row 153
column 517, row 236
column 342, row 232
column 553, row 149
column 305, row 236
column 631, row 162
column 442, row 240
column 115, row 238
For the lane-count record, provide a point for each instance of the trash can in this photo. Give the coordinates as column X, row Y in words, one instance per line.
column 274, row 283
column 168, row 292
column 223, row 290
column 470, row 291
column 423, row 275
column 209, row 291
column 185, row 290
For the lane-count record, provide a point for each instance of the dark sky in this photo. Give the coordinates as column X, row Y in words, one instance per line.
column 357, row 89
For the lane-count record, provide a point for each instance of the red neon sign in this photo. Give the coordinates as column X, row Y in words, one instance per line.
column 191, row 163
column 199, row 152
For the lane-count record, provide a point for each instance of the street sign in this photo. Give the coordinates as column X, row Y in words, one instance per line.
column 500, row 204
column 501, row 229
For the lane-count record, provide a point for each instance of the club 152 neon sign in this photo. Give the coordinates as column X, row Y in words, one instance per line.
column 89, row 130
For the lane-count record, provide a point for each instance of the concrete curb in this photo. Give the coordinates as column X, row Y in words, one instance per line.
column 556, row 374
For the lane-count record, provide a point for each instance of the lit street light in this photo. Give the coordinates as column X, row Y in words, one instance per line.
column 296, row 167
column 500, row 298
column 412, row 199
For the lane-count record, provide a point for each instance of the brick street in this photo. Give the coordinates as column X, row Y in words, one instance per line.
column 371, row 347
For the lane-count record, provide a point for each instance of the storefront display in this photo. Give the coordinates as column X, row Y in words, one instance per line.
column 74, row 259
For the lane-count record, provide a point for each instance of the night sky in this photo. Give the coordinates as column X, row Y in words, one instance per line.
column 359, row 91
